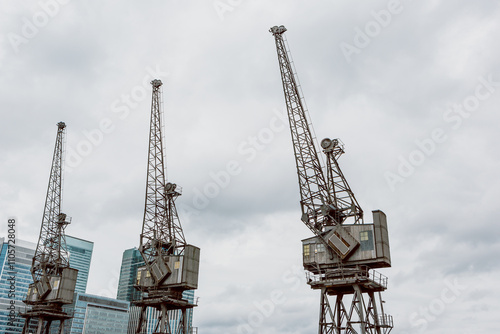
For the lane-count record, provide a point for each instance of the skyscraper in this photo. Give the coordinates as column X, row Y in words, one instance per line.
column 80, row 255
column 15, row 276
column 96, row 314
column 131, row 260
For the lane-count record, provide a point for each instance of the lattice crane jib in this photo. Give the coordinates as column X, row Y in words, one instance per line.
column 312, row 185
column 162, row 233
column 51, row 255
column 54, row 280
column 171, row 265
column 326, row 201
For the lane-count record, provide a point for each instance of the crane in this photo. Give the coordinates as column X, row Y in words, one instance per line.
column 171, row 265
column 53, row 279
column 340, row 257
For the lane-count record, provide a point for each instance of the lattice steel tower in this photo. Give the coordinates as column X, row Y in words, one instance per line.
column 53, row 279
column 171, row 264
column 340, row 258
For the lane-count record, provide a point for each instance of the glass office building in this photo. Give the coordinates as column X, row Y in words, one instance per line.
column 80, row 255
column 15, row 276
column 131, row 260
column 97, row 315
column 15, row 268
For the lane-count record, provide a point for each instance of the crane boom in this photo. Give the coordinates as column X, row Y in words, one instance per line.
column 171, row 266
column 54, row 280
column 312, row 184
column 162, row 233
column 50, row 254
column 326, row 201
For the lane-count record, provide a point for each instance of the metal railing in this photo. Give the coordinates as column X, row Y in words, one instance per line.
column 344, row 273
column 385, row 320
column 378, row 278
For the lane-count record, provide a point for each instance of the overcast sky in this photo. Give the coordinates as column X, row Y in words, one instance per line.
column 412, row 88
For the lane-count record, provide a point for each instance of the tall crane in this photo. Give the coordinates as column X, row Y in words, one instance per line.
column 340, row 257
column 53, row 279
column 171, row 265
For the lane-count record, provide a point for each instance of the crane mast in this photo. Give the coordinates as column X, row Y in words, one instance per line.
column 171, row 265
column 50, row 267
column 340, row 256
column 345, row 204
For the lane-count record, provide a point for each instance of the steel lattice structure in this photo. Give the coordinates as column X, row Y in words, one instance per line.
column 361, row 314
column 341, row 195
column 171, row 265
column 50, row 254
column 328, row 204
column 53, row 279
column 162, row 232
column 322, row 202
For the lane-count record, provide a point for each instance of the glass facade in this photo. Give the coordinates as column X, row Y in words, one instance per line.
column 80, row 255
column 97, row 315
column 189, row 295
column 15, row 276
column 131, row 260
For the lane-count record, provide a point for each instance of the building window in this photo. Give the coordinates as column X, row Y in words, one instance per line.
column 306, row 250
column 138, row 276
column 320, row 248
column 366, row 240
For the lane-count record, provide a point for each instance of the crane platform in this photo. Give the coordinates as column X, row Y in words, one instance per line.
column 170, row 302
column 342, row 280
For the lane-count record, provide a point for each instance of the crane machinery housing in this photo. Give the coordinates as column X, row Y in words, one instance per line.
column 53, row 279
column 171, row 265
column 340, row 257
